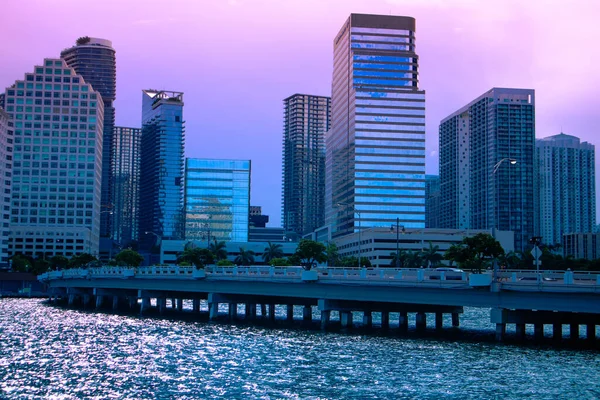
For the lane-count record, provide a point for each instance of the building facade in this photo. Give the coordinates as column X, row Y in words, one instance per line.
column 125, row 184
column 376, row 147
column 94, row 59
column 257, row 219
column 581, row 245
column 161, row 214
column 217, row 199
column 432, row 201
column 6, row 155
column 487, row 164
column 57, row 162
column 306, row 120
column 565, row 187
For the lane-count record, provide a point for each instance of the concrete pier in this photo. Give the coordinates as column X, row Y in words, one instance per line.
column 346, row 319
column 196, row 305
column 520, row 331
column 271, row 312
column 574, row 331
column 500, row 331
column 538, row 331
column 421, row 321
column 403, row 322
column 161, row 302
column 115, row 303
column 290, row 312
column 385, row 320
column 368, row 319
column 439, row 321
column 213, row 311
column 232, row 311
column 590, row 332
column 99, row 300
column 325, row 318
column 307, row 314
column 263, row 310
column 179, row 304
column 455, row 320
column 557, row 331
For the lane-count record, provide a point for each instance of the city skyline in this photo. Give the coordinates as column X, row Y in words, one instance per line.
column 463, row 46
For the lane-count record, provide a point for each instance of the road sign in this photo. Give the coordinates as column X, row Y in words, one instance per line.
column 536, row 252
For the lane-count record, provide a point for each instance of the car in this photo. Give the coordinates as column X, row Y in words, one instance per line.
column 534, row 279
column 451, row 274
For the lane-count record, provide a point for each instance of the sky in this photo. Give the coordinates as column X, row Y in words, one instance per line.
column 236, row 60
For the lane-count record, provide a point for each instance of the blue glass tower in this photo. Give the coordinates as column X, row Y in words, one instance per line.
column 161, row 167
column 375, row 164
column 217, row 199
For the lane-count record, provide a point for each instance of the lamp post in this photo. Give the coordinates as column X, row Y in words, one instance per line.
column 512, row 161
column 357, row 212
column 397, row 240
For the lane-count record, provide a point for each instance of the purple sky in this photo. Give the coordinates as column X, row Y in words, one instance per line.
column 237, row 60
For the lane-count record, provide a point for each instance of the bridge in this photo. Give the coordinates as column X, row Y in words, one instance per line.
column 514, row 297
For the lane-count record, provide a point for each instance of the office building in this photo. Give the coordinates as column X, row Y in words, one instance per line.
column 432, row 201
column 94, row 59
column 306, row 120
column 270, row 234
column 581, row 245
column 217, row 199
column 57, row 162
column 161, row 168
column 486, row 164
column 565, row 187
column 6, row 154
column 376, row 147
column 125, row 184
column 257, row 219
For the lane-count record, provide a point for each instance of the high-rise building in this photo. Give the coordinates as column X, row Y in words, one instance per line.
column 94, row 59
column 217, row 199
column 306, row 120
column 486, row 164
column 376, row 147
column 125, row 184
column 432, row 201
column 565, row 187
column 57, row 162
column 257, row 219
column 6, row 154
column 161, row 167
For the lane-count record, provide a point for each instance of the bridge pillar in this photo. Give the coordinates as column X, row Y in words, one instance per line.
column 98, row 301
column 71, row 300
column 86, row 300
column 557, row 331
column 403, row 321
column 538, row 331
column 213, row 310
column 574, row 331
column 346, row 319
column 232, row 311
column 290, row 312
column 173, row 303
column 590, row 332
column 179, row 304
column 272, row 312
column 455, row 320
column 520, row 331
column 500, row 331
column 385, row 319
column 307, row 314
column 161, row 302
column 368, row 319
column 132, row 302
column 145, row 305
column 252, row 313
column 196, row 305
column 439, row 321
column 421, row 321
column 325, row 318
column 263, row 310
column 115, row 303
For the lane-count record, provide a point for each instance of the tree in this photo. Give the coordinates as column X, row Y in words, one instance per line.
column 273, row 250
column 459, row 254
column 246, row 257
column 40, row 265
column 219, row 250
column 81, row 260
column 431, row 256
column 196, row 256
column 401, row 255
column 310, row 253
column 279, row 262
column 21, row 263
column 413, row 259
column 475, row 252
column 129, row 257
column 512, row 260
column 294, row 260
column 59, row 261
column 333, row 255
column 352, row 262
column 224, row 263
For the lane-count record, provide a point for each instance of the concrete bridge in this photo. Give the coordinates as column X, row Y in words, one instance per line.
column 514, row 297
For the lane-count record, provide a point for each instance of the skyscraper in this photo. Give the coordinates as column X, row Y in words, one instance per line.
column 306, row 120
column 94, row 59
column 432, row 201
column 57, row 162
column 376, row 147
column 565, row 187
column 125, row 184
column 486, row 164
column 6, row 154
column 217, row 199
column 161, row 167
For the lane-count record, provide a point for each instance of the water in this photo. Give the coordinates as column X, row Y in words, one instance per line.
column 48, row 352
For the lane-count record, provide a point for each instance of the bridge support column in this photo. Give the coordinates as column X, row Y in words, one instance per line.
column 403, row 321
column 161, row 302
column 115, row 303
column 213, row 310
column 325, row 318
column 520, row 331
column 263, row 311
column 538, row 331
column 132, row 302
column 145, row 305
column 71, row 300
column 455, row 320
column 99, row 301
column 439, row 321
column 307, row 314
column 346, row 319
column 368, row 319
column 86, row 300
column 590, row 332
column 271, row 312
column 385, row 320
column 574, row 331
column 500, row 331
column 196, row 305
column 179, row 304
column 557, row 331
column 173, row 303
column 421, row 321
column 251, row 311
column 232, row 311
column 290, row 312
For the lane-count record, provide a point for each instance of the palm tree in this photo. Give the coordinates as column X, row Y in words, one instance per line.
column 194, row 255
column 402, row 254
column 512, row 260
column 246, row 257
column 413, row 259
column 431, row 256
column 273, row 250
column 218, row 249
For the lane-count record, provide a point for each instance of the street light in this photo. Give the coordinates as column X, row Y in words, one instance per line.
column 398, row 240
column 511, row 160
column 357, row 212
column 158, row 237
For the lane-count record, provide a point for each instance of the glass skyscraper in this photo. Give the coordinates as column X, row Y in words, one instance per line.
column 6, row 155
column 94, row 59
column 376, row 147
column 306, row 120
column 126, row 183
column 217, row 199
column 565, row 187
column 57, row 162
column 480, row 187
column 161, row 167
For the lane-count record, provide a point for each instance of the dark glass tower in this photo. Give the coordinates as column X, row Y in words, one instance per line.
column 94, row 59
